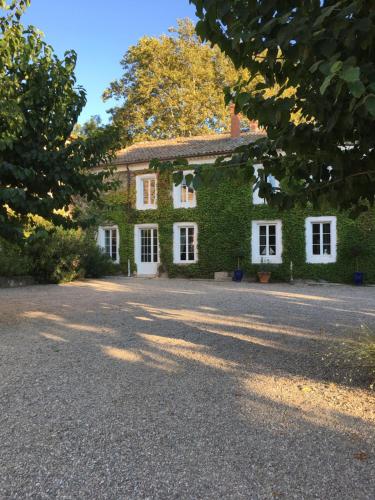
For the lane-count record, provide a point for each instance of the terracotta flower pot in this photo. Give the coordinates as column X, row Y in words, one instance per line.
column 264, row 276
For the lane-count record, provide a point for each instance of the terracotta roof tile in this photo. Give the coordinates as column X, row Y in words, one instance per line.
column 183, row 147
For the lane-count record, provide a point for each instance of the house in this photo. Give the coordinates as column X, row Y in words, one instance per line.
column 152, row 226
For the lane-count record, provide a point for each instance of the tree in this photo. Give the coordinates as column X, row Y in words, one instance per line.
column 325, row 49
column 89, row 128
column 172, row 86
column 41, row 167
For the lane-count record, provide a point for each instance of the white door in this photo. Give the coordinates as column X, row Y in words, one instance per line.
column 146, row 250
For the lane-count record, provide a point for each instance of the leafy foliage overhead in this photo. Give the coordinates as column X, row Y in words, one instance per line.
column 41, row 167
column 172, row 86
column 325, row 49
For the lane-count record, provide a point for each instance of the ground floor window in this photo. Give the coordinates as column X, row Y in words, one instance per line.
column 266, row 242
column 108, row 240
column 185, row 247
column 320, row 240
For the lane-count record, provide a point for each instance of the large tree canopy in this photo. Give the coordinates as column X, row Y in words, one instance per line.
column 325, row 49
column 41, row 167
column 172, row 86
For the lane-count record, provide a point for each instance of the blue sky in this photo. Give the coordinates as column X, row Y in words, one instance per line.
column 100, row 32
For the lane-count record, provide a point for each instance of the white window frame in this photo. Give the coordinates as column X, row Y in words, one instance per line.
column 101, row 240
column 176, row 242
column 177, row 194
column 257, row 200
column 139, row 192
column 256, row 257
column 320, row 259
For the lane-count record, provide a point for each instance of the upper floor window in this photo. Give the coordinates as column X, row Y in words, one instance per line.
column 257, row 200
column 184, row 195
column 321, row 239
column 266, row 242
column 185, row 243
column 146, row 187
column 108, row 241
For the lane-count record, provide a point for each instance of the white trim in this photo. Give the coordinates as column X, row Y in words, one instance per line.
column 139, row 192
column 177, row 194
column 176, row 243
column 137, row 249
column 256, row 258
column 101, row 240
column 320, row 259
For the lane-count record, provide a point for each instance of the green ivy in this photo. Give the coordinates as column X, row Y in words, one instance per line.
column 224, row 214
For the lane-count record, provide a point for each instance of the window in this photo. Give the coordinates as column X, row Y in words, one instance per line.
column 321, row 240
column 149, row 245
column 185, row 248
column 266, row 242
column 257, row 200
column 108, row 241
column 184, row 195
column 146, row 186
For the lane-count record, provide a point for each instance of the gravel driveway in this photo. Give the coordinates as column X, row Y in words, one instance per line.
column 134, row 388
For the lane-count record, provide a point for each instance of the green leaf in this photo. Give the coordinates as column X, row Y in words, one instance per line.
column 242, row 99
column 356, row 88
column 326, row 83
column 178, row 178
column 315, row 66
column 350, row 74
column 336, row 66
column 326, row 12
column 370, row 105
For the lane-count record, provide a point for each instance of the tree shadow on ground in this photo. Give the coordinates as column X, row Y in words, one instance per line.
column 202, row 402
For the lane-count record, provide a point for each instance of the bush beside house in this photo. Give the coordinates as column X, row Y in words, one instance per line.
column 54, row 256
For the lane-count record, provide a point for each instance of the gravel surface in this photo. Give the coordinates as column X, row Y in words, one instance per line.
column 134, row 388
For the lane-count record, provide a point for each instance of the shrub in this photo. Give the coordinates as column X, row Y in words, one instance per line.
column 13, row 260
column 94, row 262
column 56, row 255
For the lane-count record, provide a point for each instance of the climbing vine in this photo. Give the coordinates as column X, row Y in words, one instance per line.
column 223, row 215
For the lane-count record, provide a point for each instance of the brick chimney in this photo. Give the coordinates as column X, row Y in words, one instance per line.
column 235, row 123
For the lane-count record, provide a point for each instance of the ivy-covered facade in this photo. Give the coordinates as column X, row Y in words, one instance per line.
column 224, row 222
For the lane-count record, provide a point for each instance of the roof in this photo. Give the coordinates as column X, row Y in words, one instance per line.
column 184, row 147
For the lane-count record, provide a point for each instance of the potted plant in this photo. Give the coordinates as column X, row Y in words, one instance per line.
column 264, row 273
column 357, row 252
column 238, row 272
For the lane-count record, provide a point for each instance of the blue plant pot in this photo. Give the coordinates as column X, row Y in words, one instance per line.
column 358, row 278
column 238, row 275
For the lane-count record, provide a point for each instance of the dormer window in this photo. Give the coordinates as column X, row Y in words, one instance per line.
column 146, row 186
column 184, row 195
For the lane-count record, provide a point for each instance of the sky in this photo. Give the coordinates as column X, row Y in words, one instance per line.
column 101, row 32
